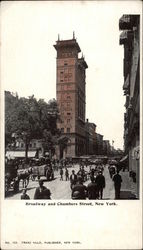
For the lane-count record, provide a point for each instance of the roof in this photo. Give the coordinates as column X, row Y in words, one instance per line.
column 67, row 43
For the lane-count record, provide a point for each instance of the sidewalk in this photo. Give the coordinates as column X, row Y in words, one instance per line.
column 128, row 188
column 109, row 192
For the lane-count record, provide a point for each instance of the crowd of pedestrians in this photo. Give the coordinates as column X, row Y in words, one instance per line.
column 94, row 189
column 86, row 183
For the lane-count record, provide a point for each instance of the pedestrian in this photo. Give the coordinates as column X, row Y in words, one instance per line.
column 73, row 179
column 83, row 175
column 111, row 171
column 79, row 190
column 66, row 174
column 92, row 171
column 80, row 171
column 42, row 192
column 92, row 189
column 117, row 184
column 100, row 181
column 61, row 174
column 24, row 196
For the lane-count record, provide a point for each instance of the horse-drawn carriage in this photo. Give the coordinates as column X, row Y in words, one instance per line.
column 11, row 178
column 43, row 170
column 83, row 174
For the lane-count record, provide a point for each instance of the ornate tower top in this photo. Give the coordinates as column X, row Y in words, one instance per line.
column 67, row 48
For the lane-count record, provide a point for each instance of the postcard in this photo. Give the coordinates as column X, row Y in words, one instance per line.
column 71, row 125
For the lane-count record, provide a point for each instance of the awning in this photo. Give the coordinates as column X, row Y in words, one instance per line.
column 19, row 154
column 124, row 158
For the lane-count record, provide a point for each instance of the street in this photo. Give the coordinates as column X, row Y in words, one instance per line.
column 61, row 189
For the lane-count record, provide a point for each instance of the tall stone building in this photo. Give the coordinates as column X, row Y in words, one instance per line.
column 99, row 144
column 130, row 38
column 107, row 150
column 90, row 138
column 71, row 95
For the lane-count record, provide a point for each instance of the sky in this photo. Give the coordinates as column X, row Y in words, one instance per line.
column 29, row 29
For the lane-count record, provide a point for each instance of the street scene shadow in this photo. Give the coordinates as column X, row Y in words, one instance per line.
column 11, row 193
column 45, row 180
column 125, row 195
column 51, row 179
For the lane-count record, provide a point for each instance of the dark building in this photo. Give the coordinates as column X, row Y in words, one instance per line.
column 107, row 150
column 90, row 138
column 99, row 144
column 71, row 95
column 130, row 38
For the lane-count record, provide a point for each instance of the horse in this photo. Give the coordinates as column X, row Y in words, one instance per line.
column 24, row 175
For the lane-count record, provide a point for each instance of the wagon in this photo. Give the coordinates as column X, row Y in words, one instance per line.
column 11, row 178
column 43, row 170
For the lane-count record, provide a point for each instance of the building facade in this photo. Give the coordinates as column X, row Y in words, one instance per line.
column 90, row 138
column 130, row 38
column 99, row 144
column 71, row 95
column 17, row 149
column 107, row 150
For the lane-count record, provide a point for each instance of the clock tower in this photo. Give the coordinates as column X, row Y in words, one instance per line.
column 71, row 95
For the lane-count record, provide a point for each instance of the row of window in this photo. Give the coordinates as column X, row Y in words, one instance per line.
column 22, row 145
column 81, row 108
column 66, row 79
column 63, row 130
column 68, row 54
column 66, row 87
column 65, row 97
column 68, row 121
column 65, row 105
column 63, row 113
column 66, row 70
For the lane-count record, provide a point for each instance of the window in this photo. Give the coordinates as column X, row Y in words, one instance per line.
column 68, row 120
column 68, row 130
column 70, row 77
column 68, row 107
column 34, row 144
column 68, row 113
column 22, row 145
column 65, row 78
column 62, row 130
